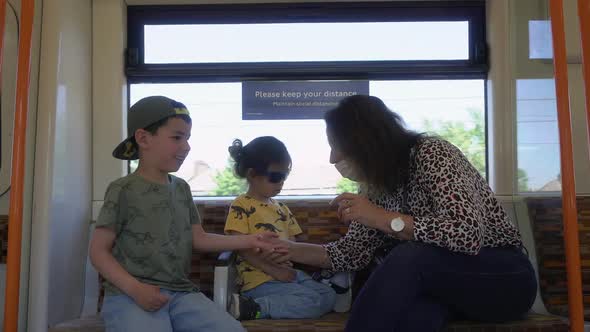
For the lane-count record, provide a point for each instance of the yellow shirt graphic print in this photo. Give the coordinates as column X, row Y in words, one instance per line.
column 248, row 215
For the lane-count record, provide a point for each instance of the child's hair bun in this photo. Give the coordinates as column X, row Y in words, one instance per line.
column 236, row 150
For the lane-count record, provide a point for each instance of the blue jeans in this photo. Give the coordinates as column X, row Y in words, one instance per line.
column 419, row 287
column 184, row 312
column 302, row 298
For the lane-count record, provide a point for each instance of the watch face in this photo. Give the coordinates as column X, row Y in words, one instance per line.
column 397, row 225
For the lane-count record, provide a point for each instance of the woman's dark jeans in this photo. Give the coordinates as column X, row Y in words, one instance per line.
column 419, row 287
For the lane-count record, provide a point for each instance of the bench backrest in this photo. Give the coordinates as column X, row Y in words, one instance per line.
column 320, row 224
column 546, row 215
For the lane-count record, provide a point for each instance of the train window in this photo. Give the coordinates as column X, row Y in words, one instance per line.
column 281, row 42
column 427, row 60
column 537, row 135
column 370, row 40
column 453, row 109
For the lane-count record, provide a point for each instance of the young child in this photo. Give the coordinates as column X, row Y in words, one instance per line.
column 148, row 227
column 269, row 290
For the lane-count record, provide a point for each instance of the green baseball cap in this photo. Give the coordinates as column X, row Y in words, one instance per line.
column 141, row 115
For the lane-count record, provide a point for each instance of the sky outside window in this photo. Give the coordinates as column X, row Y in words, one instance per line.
column 284, row 42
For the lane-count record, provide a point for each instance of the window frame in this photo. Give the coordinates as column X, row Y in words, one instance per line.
column 476, row 67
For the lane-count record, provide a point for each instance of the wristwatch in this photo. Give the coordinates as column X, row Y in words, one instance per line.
column 397, row 224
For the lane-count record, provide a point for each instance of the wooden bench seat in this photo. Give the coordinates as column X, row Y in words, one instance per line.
column 335, row 322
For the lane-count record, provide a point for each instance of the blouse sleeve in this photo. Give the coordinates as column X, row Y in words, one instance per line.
column 355, row 250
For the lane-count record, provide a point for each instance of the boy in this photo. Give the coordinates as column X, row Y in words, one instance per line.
column 148, row 227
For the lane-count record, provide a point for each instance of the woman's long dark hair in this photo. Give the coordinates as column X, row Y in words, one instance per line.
column 374, row 138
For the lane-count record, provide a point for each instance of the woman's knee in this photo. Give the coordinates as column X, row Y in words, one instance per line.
column 407, row 259
column 413, row 252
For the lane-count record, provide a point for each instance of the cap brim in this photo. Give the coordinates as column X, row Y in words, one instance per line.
column 126, row 150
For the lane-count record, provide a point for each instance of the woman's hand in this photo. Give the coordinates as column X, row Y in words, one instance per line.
column 358, row 208
column 267, row 241
column 279, row 257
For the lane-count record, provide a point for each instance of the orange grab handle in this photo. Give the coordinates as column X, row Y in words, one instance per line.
column 15, row 212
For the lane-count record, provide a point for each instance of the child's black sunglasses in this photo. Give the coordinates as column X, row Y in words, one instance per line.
column 276, row 177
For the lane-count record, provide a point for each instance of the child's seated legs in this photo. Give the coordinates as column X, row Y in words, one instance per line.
column 303, row 298
column 184, row 312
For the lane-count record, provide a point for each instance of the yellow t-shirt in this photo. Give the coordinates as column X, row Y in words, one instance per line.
column 248, row 215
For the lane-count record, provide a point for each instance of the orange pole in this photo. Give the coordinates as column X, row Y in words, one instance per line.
column 570, row 218
column 15, row 212
column 584, row 14
column 2, row 27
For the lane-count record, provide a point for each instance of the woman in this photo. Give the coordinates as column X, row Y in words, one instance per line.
column 458, row 252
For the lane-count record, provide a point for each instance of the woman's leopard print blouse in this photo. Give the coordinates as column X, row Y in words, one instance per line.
column 452, row 206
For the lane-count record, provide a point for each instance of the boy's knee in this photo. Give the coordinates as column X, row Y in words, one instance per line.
column 223, row 323
column 215, row 323
column 232, row 325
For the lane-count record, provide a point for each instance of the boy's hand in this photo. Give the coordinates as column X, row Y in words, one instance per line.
column 148, row 297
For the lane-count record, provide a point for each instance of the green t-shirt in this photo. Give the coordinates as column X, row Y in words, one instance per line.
column 153, row 226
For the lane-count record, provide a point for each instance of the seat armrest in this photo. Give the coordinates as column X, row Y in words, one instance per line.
column 225, row 273
column 225, row 258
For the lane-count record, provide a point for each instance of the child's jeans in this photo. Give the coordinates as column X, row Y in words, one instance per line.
column 184, row 312
column 302, row 298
